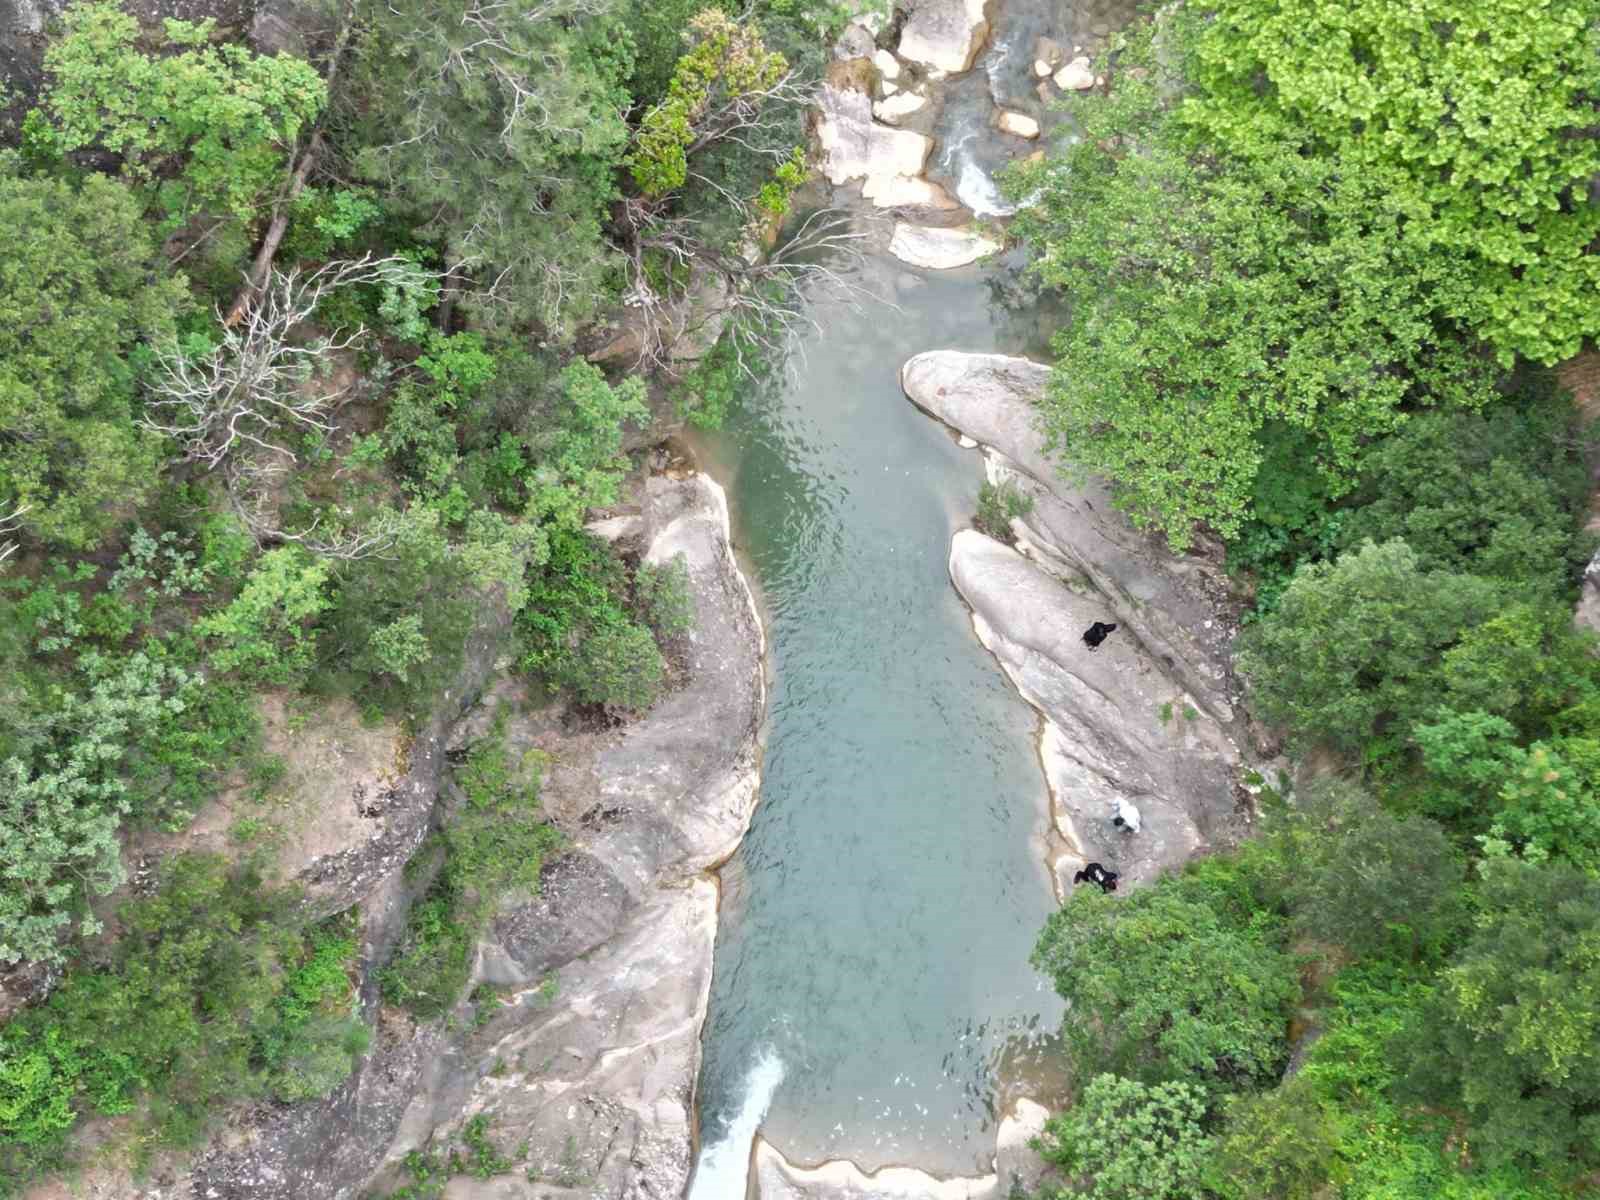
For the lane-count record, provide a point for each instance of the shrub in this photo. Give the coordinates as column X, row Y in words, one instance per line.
column 997, row 505
column 662, row 596
column 1124, row 1140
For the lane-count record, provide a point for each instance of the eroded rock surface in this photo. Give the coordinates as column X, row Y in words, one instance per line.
column 944, row 34
column 609, row 968
column 777, row 1179
column 1149, row 718
column 590, row 1051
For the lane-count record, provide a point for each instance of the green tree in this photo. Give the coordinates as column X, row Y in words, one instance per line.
column 1359, row 645
column 1473, row 120
column 1501, row 493
column 1368, row 880
column 219, row 117
column 499, row 130
column 265, row 632
column 1510, row 1038
column 1125, row 1140
column 1170, row 983
column 81, row 285
column 727, row 62
column 1278, row 1145
column 1213, row 295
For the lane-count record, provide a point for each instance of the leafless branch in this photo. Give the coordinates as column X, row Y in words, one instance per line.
column 9, row 524
column 259, row 379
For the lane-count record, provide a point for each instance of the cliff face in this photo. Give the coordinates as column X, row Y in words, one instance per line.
column 586, row 1053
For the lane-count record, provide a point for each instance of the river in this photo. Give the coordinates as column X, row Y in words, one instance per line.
column 871, row 964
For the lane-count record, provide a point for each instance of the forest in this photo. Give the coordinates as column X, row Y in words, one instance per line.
column 297, row 403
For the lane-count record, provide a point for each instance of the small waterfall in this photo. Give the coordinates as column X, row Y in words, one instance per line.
column 723, row 1170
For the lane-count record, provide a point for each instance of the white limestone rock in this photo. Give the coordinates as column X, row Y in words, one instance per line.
column 1076, row 76
column 897, row 107
column 1018, row 1166
column 939, row 249
column 1018, row 124
column 888, row 65
column 854, row 146
column 945, row 35
column 900, row 191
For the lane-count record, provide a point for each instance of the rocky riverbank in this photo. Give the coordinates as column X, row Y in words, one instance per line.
column 581, row 1047
column 1151, row 717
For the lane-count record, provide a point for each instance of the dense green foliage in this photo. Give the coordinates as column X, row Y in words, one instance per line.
column 213, row 990
column 1169, row 983
column 1297, row 216
column 215, row 121
column 77, row 294
column 495, row 843
column 1128, row 1141
column 1472, row 119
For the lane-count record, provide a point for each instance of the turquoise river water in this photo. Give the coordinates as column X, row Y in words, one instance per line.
column 872, row 996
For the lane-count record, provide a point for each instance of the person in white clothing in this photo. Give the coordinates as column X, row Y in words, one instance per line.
column 1127, row 818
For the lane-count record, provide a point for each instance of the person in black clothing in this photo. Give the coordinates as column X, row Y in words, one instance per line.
column 1096, row 633
column 1096, row 874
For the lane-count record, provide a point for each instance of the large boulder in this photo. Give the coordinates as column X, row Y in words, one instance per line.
column 775, row 1178
column 854, row 146
column 939, row 249
column 1119, row 727
column 945, row 35
column 1176, row 606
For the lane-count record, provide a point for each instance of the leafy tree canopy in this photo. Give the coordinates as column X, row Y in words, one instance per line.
column 1125, row 1140
column 1212, row 295
column 220, row 117
column 1472, row 123
column 1510, row 1037
column 1170, row 982
column 499, row 128
column 78, row 291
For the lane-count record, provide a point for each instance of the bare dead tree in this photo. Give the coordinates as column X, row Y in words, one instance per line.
column 765, row 299
column 258, row 380
column 9, row 524
column 251, row 483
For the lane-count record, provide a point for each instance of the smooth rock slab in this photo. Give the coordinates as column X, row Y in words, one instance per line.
column 939, row 249
column 897, row 107
column 1018, row 125
column 854, row 146
column 777, row 1179
column 1174, row 605
column 945, row 35
column 1119, row 729
column 901, row 191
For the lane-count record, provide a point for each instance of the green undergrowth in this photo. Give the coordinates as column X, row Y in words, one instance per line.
column 214, row 989
column 493, row 845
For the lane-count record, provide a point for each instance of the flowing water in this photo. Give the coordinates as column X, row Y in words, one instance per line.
column 871, row 970
column 872, row 998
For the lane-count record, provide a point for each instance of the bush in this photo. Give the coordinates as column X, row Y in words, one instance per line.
column 1508, row 1038
column 1172, row 982
column 662, row 596
column 1124, row 1140
column 218, row 113
column 214, row 991
column 495, row 844
column 997, row 505
column 575, row 631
